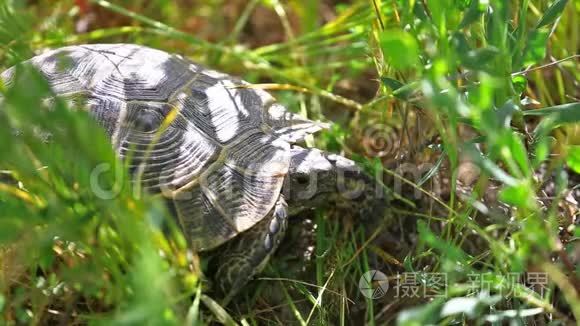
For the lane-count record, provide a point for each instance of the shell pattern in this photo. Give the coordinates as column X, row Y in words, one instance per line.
column 216, row 148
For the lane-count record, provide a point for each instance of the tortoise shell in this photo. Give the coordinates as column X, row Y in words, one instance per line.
column 217, row 149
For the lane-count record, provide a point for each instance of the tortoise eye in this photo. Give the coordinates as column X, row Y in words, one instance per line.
column 302, row 179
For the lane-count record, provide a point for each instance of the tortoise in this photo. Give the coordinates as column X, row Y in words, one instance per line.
column 224, row 155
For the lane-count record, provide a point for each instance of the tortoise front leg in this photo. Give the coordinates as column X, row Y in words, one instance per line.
column 248, row 253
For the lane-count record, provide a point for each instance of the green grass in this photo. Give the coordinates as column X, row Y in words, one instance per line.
column 487, row 84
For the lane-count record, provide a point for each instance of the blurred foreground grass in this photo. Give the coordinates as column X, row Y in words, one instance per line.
column 490, row 86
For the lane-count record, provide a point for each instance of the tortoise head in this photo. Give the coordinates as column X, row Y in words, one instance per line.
column 317, row 179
